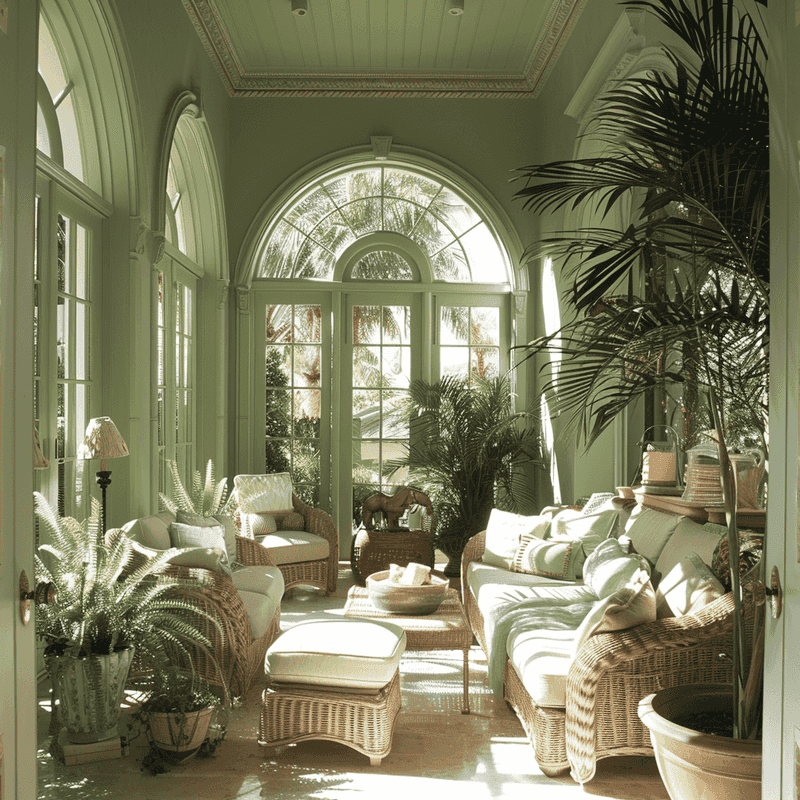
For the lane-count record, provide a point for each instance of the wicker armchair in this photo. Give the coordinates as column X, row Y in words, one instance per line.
column 610, row 674
column 238, row 654
column 322, row 573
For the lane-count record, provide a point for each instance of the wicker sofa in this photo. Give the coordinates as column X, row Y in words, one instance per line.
column 599, row 686
column 239, row 586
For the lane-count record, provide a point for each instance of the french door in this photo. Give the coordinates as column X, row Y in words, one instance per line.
column 332, row 371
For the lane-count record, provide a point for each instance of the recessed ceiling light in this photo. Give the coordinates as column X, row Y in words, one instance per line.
column 299, row 7
column 455, row 7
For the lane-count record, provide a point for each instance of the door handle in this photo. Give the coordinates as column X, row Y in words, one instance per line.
column 43, row 592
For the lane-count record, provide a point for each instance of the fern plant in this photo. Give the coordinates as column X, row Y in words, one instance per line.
column 207, row 496
column 109, row 597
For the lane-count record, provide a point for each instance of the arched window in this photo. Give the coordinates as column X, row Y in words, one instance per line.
column 346, row 205
column 194, row 259
column 366, row 276
column 67, row 269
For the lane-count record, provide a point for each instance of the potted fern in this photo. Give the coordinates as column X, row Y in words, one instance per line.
column 207, row 498
column 110, row 602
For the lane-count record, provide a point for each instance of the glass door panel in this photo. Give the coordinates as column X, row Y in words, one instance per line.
column 381, row 372
column 293, row 391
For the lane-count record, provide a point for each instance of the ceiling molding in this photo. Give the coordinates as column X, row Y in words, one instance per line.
column 558, row 24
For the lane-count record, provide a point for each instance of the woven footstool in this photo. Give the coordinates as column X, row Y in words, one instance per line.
column 336, row 680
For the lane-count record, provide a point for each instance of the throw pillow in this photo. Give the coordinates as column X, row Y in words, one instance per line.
column 632, row 605
column 291, row 522
column 687, row 588
column 503, row 534
column 259, row 524
column 192, row 536
column 264, row 494
column 591, row 528
column 225, row 520
column 597, row 501
column 650, row 531
column 609, row 568
column 550, row 558
column 202, row 558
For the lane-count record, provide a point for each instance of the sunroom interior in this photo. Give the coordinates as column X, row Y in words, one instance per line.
column 250, row 230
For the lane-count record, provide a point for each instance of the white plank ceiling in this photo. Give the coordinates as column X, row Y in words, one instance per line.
column 384, row 47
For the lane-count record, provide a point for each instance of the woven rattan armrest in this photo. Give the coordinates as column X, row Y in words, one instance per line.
column 252, row 554
column 613, row 671
column 473, row 551
column 321, row 523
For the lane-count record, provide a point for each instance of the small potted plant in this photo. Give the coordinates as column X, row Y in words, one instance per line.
column 179, row 715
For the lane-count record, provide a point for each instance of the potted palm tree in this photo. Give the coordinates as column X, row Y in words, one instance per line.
column 468, row 449
column 674, row 307
column 108, row 604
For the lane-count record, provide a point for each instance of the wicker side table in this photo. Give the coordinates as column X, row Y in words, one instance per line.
column 374, row 551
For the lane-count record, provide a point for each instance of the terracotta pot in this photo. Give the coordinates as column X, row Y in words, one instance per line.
column 695, row 765
column 89, row 692
column 178, row 735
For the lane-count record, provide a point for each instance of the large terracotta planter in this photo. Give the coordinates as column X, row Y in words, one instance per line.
column 178, row 735
column 695, row 765
column 89, row 691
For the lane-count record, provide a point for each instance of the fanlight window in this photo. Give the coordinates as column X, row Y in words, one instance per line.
column 57, row 127
column 337, row 210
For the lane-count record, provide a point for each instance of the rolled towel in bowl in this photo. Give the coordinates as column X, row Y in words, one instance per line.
column 415, row 574
column 396, row 573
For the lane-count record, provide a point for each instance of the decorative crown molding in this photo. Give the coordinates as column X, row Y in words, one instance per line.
column 208, row 23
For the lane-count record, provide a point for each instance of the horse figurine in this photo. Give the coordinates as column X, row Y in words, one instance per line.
column 393, row 506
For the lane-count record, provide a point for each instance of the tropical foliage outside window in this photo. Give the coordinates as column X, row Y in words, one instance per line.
column 339, row 209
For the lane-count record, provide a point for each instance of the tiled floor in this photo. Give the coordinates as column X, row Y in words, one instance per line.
column 437, row 751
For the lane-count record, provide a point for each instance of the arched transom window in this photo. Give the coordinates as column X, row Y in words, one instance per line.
column 440, row 226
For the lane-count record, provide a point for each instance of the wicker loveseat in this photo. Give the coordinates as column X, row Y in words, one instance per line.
column 244, row 595
column 609, row 673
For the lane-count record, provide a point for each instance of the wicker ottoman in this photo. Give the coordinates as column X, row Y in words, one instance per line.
column 336, row 680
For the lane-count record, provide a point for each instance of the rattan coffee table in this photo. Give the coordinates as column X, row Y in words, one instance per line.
column 446, row 629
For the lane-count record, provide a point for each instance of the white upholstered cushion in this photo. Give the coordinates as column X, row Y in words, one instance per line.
column 291, row 547
column 503, row 534
column 688, row 537
column 688, row 587
column 542, row 660
column 609, row 568
column 356, row 653
column 259, row 579
column 260, row 610
column 633, row 605
column 650, row 530
column 152, row 531
column 270, row 494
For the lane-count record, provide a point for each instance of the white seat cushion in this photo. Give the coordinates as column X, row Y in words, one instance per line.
column 262, row 580
column 292, row 547
column 260, row 610
column 542, row 659
column 356, row 653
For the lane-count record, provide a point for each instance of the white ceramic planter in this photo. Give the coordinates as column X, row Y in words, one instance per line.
column 698, row 766
column 89, row 692
column 180, row 735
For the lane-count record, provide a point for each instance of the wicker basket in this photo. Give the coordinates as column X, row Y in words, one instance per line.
column 374, row 551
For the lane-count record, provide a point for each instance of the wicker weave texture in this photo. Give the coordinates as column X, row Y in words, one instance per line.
column 323, row 573
column 611, row 673
column 374, row 551
column 365, row 722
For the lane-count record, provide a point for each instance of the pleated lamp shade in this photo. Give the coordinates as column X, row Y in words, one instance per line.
column 102, row 441
column 39, row 460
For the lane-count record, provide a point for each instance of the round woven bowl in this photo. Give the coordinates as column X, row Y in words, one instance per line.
column 396, row 599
